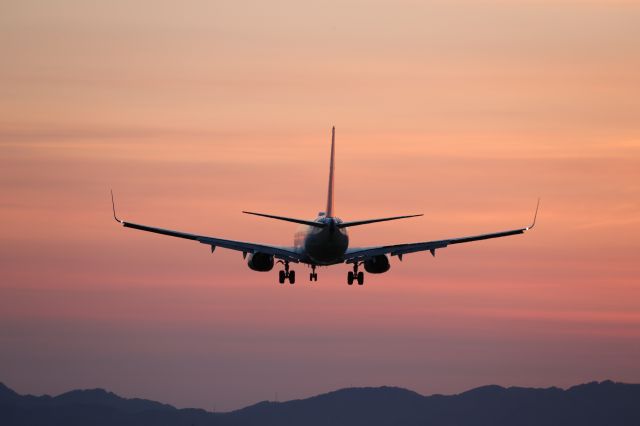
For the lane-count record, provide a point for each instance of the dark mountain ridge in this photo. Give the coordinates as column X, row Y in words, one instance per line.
column 596, row 403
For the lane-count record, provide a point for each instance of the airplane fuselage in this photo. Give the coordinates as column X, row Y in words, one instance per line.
column 324, row 246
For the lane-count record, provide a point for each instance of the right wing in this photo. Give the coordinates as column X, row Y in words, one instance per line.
column 360, row 254
column 285, row 253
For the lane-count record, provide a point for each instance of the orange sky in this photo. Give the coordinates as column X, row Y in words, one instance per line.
column 465, row 111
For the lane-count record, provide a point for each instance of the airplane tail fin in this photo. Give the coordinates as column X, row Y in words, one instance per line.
column 329, row 210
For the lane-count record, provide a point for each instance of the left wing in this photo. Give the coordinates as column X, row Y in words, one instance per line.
column 284, row 253
column 359, row 254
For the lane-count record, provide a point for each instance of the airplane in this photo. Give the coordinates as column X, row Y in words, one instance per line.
column 322, row 241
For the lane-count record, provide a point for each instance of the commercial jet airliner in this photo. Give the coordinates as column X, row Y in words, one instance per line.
column 322, row 241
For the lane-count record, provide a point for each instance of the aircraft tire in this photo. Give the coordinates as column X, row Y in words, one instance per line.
column 281, row 277
column 350, row 278
column 360, row 278
column 292, row 277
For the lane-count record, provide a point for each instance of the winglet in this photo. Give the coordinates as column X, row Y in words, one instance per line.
column 534, row 217
column 113, row 206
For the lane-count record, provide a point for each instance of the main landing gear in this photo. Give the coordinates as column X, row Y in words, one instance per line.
column 313, row 276
column 286, row 274
column 355, row 275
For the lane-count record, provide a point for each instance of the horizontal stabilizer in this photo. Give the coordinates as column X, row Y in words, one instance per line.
column 289, row 219
column 365, row 222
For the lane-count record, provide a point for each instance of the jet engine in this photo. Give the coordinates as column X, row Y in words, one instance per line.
column 377, row 264
column 260, row 262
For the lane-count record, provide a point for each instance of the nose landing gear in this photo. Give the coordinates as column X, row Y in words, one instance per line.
column 313, row 276
column 286, row 274
column 355, row 275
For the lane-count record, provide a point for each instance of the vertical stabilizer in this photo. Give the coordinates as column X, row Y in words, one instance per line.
column 329, row 211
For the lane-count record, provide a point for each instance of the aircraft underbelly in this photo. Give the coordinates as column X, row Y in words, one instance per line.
column 326, row 247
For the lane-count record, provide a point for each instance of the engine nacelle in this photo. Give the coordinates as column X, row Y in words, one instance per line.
column 377, row 264
column 260, row 262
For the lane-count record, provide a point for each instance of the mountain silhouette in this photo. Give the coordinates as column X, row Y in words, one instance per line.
column 596, row 403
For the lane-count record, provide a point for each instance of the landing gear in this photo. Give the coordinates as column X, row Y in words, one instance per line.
column 313, row 276
column 286, row 274
column 355, row 275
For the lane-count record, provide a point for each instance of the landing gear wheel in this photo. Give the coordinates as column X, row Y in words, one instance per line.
column 313, row 276
column 286, row 274
column 360, row 278
column 350, row 278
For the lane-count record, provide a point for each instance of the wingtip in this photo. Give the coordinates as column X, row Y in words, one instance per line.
column 535, row 216
column 413, row 215
column 113, row 206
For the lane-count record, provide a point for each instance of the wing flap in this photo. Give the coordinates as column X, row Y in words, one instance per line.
column 357, row 254
column 284, row 253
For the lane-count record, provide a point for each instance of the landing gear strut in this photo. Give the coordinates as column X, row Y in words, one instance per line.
column 313, row 276
column 355, row 275
column 286, row 274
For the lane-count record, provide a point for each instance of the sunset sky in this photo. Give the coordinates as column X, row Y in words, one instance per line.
column 192, row 111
